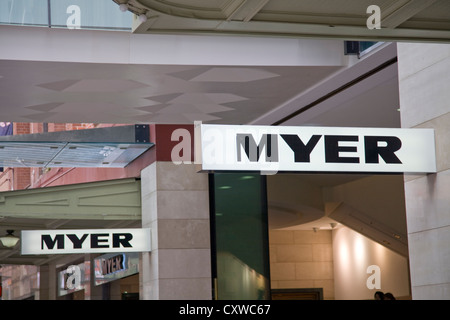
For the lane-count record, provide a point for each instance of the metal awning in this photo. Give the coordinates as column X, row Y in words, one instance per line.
column 113, row 147
column 92, row 205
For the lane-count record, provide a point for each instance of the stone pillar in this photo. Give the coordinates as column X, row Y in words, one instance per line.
column 92, row 292
column 175, row 205
column 114, row 290
column 424, row 75
column 47, row 282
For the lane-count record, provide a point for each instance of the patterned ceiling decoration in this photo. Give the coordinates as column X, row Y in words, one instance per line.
column 32, row 91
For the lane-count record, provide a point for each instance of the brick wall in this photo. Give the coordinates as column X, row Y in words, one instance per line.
column 22, row 176
column 53, row 127
column 21, row 128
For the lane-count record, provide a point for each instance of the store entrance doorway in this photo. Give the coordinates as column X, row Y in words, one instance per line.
column 342, row 233
column 279, row 236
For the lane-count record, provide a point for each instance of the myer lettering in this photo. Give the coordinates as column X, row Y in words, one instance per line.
column 320, row 149
column 85, row 241
column 113, row 264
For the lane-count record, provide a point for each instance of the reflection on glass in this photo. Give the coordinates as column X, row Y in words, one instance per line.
column 24, row 12
column 364, row 45
column 98, row 14
column 72, row 14
column 237, row 280
column 240, row 249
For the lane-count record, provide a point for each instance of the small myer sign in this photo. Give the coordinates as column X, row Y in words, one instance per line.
column 320, row 149
column 85, row 241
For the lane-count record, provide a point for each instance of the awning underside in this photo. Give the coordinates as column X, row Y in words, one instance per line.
column 101, row 147
column 65, row 154
column 93, row 205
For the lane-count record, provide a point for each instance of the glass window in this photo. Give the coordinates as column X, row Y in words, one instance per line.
column 88, row 14
column 24, row 12
column 364, row 45
column 73, row 14
column 240, row 236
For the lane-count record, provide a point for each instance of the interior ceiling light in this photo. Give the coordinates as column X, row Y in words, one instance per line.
column 9, row 240
column 142, row 18
column 246, row 177
column 123, row 7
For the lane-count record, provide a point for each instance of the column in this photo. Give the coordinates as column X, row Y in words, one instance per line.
column 175, row 205
column 424, row 74
column 91, row 291
column 47, row 282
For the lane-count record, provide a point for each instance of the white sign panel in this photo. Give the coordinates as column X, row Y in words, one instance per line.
column 319, row 149
column 85, row 241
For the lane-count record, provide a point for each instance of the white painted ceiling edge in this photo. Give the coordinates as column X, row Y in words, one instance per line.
column 94, row 46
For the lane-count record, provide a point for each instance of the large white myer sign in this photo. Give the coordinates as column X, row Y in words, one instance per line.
column 85, row 241
column 320, row 149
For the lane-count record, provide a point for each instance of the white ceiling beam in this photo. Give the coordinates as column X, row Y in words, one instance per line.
column 405, row 12
column 93, row 46
column 247, row 10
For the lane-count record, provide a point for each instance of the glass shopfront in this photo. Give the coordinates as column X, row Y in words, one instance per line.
column 240, row 236
column 113, row 276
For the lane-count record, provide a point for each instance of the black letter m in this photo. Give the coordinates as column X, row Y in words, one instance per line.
column 59, row 238
column 253, row 150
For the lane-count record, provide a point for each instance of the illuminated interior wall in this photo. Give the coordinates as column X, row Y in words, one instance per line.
column 301, row 259
column 362, row 267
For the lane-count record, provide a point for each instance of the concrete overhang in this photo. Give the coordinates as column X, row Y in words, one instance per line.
column 399, row 20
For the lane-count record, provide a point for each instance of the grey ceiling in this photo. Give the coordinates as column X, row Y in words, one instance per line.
column 32, row 91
